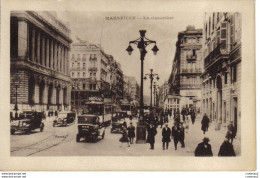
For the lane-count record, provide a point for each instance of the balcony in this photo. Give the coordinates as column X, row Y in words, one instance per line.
column 191, row 70
column 92, row 69
column 93, row 59
column 220, row 52
column 191, row 58
column 190, row 86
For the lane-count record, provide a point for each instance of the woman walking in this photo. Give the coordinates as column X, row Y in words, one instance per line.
column 124, row 138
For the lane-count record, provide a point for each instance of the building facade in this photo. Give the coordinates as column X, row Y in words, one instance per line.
column 94, row 74
column 184, row 81
column 39, row 48
column 221, row 78
column 131, row 90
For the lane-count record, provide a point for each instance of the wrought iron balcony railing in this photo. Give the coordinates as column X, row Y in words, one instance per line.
column 220, row 51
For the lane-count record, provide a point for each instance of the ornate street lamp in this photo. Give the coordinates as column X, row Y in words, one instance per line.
column 16, row 81
column 155, row 87
column 152, row 76
column 141, row 43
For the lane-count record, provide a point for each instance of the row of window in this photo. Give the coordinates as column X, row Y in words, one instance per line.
column 231, row 76
column 84, row 56
column 84, row 86
column 73, row 74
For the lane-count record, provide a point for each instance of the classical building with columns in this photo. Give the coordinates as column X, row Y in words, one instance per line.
column 39, row 48
column 221, row 77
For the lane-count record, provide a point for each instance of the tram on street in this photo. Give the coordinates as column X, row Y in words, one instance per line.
column 101, row 109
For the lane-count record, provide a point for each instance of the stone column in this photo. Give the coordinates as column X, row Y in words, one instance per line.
column 33, row 45
column 62, row 59
column 51, row 56
column 55, row 55
column 45, row 94
column 36, row 93
column 61, row 96
column 66, row 61
column 38, row 47
column 43, row 57
column 53, row 97
column 47, row 52
column 22, row 40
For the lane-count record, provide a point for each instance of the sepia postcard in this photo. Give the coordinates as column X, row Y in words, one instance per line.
column 128, row 85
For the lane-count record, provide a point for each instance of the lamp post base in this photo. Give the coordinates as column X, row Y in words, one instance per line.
column 140, row 133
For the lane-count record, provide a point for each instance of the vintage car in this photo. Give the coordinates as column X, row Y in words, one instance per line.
column 90, row 127
column 117, row 116
column 64, row 118
column 28, row 121
column 117, row 127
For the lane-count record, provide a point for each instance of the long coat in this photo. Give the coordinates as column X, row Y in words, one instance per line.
column 124, row 137
column 226, row 149
column 203, row 150
column 131, row 131
column 204, row 123
column 151, row 134
column 178, row 133
column 166, row 134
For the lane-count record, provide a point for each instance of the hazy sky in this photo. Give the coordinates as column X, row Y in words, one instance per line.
column 114, row 36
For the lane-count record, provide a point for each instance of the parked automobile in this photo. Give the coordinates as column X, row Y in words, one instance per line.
column 28, row 121
column 90, row 128
column 64, row 118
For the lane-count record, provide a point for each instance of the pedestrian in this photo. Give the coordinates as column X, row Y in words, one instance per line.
column 226, row 149
column 166, row 134
column 161, row 120
column 49, row 114
column 230, row 132
column 151, row 129
column 131, row 117
column 205, row 123
column 124, row 138
column 183, row 113
column 193, row 117
column 177, row 118
column 125, row 124
column 178, row 135
column 131, row 133
column 204, row 148
column 56, row 113
column 186, row 123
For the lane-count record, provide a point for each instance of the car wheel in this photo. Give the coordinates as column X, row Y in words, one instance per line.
column 103, row 135
column 41, row 129
column 28, row 131
column 94, row 138
column 12, row 131
column 77, row 138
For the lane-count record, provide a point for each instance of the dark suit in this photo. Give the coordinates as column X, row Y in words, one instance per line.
column 203, row 149
column 166, row 134
column 151, row 136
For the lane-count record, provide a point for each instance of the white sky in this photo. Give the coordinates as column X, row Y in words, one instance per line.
column 116, row 35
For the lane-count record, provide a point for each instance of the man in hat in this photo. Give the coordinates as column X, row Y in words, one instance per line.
column 178, row 134
column 204, row 148
column 151, row 129
column 131, row 132
column 166, row 134
column 205, row 123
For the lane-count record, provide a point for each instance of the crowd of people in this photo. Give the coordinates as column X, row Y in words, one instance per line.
column 177, row 132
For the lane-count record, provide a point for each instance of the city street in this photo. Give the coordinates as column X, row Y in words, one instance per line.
column 61, row 141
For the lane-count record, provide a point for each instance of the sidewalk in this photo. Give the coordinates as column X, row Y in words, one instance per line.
column 193, row 136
